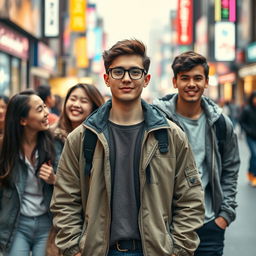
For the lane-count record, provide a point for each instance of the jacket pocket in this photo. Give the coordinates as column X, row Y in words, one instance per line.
column 192, row 177
column 168, row 233
column 83, row 237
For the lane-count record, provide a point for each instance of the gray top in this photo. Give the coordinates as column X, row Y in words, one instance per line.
column 125, row 144
column 32, row 200
column 195, row 130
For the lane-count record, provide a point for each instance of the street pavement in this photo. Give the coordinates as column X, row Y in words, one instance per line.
column 241, row 235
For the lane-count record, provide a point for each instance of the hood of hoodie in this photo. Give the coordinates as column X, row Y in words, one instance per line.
column 153, row 117
column 167, row 104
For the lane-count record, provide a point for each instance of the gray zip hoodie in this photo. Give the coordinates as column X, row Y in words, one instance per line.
column 223, row 170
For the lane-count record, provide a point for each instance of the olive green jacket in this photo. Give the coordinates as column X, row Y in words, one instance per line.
column 171, row 205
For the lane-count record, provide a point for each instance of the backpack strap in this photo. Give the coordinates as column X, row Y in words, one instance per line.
column 162, row 138
column 163, row 144
column 221, row 130
column 90, row 140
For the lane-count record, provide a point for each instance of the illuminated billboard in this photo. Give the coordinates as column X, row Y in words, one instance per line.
column 185, row 22
column 224, row 41
column 51, row 18
column 225, row 10
column 77, row 12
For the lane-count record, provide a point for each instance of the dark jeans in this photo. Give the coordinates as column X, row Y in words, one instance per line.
column 130, row 253
column 252, row 146
column 211, row 240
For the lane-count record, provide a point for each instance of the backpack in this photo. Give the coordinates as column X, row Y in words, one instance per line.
column 90, row 140
column 221, row 130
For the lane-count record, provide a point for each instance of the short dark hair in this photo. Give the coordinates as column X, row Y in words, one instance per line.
column 188, row 60
column 126, row 47
column 43, row 91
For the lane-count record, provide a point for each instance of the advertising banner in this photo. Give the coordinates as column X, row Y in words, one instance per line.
column 51, row 18
column 185, row 22
column 77, row 12
column 13, row 43
column 225, row 41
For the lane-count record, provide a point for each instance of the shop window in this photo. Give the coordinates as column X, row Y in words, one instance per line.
column 15, row 78
column 5, row 74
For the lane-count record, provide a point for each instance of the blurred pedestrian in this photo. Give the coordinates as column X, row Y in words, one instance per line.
column 3, row 106
column 232, row 111
column 81, row 100
column 56, row 109
column 26, row 177
column 139, row 195
column 45, row 93
column 218, row 166
column 248, row 124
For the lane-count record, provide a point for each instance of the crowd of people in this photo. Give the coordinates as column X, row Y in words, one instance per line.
column 121, row 176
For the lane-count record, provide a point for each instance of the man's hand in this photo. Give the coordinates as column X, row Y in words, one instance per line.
column 78, row 254
column 47, row 174
column 221, row 222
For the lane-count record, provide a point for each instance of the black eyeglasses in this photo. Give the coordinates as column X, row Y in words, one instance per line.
column 118, row 73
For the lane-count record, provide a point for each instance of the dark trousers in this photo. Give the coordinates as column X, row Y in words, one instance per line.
column 211, row 240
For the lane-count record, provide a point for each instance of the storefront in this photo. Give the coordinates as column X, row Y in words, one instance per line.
column 14, row 52
column 227, row 87
column 248, row 76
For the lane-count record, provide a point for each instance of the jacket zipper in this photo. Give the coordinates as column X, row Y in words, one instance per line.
column 213, row 171
column 109, row 204
column 143, row 181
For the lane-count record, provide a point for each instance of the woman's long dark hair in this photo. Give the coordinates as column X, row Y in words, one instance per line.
column 94, row 96
column 18, row 108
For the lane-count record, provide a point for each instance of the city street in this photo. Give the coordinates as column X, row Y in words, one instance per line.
column 241, row 235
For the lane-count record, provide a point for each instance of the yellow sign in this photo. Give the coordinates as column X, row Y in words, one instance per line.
column 77, row 12
column 81, row 52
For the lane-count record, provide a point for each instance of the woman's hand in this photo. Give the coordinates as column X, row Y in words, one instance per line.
column 47, row 174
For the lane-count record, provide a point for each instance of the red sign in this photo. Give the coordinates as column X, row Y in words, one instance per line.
column 185, row 22
column 13, row 43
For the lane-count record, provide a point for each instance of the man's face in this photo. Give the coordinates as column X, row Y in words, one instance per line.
column 127, row 89
column 191, row 84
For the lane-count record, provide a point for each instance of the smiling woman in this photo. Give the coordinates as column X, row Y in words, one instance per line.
column 27, row 162
column 81, row 100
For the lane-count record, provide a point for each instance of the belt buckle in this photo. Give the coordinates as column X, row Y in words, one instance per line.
column 126, row 250
column 120, row 249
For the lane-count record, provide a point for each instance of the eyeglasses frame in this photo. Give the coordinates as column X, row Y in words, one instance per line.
column 144, row 72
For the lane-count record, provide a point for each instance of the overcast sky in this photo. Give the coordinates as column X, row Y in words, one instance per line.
column 133, row 18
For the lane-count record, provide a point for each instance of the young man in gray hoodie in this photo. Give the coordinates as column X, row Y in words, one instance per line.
column 218, row 165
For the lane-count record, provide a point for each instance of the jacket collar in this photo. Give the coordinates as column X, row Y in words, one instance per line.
column 168, row 105
column 152, row 116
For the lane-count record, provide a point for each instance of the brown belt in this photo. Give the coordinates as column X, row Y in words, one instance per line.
column 127, row 245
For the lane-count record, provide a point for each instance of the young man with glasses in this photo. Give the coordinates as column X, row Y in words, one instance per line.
column 143, row 195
